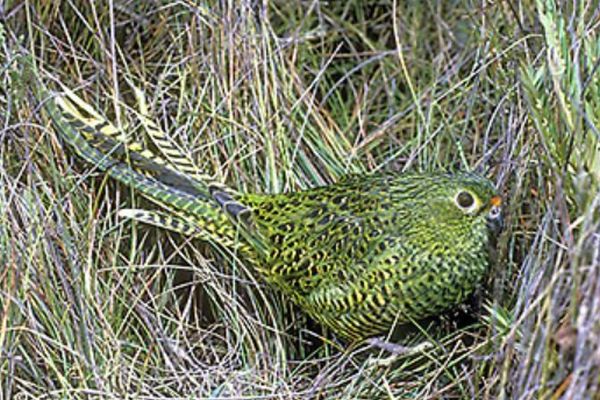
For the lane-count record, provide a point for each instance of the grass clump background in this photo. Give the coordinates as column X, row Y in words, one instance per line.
column 273, row 96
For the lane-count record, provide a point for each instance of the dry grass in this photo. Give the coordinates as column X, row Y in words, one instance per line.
column 276, row 96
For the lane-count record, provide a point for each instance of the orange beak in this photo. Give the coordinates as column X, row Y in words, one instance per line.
column 496, row 201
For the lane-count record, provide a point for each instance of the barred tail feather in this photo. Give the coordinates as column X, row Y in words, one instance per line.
column 222, row 194
column 161, row 184
column 104, row 136
column 101, row 143
column 165, row 145
column 176, row 170
column 164, row 221
column 188, row 226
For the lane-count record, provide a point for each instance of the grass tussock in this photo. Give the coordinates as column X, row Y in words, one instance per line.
column 276, row 96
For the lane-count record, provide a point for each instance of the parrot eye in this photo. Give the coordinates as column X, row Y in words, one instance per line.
column 464, row 200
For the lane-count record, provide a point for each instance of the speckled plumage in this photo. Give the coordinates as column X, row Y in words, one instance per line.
column 359, row 255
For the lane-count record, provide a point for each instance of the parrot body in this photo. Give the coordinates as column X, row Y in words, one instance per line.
column 359, row 256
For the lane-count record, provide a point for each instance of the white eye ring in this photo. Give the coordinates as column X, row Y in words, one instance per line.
column 465, row 201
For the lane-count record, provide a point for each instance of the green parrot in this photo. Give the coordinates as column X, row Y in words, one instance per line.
column 359, row 256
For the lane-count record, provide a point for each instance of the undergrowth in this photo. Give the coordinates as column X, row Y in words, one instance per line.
column 277, row 96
